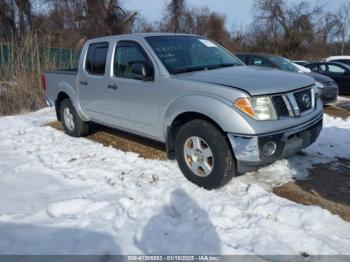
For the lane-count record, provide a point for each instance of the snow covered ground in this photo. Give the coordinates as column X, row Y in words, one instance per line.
column 61, row 195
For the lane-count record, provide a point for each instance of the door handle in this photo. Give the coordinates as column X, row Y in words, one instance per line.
column 113, row 87
column 84, row 83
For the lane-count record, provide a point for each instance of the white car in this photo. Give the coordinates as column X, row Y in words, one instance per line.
column 341, row 59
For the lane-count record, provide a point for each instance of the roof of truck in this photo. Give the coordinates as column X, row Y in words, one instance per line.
column 138, row 35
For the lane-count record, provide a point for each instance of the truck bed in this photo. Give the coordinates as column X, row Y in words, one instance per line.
column 60, row 80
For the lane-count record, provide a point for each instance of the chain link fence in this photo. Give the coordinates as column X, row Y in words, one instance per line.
column 57, row 57
column 20, row 68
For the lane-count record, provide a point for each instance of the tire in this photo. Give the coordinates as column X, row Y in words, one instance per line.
column 72, row 123
column 218, row 169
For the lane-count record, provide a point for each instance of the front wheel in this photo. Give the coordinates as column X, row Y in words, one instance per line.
column 72, row 123
column 204, row 155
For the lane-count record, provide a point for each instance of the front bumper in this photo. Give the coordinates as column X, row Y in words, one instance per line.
column 248, row 150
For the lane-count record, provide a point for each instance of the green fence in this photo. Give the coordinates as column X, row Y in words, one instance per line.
column 56, row 57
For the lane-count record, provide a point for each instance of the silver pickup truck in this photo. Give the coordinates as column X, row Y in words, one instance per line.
column 217, row 117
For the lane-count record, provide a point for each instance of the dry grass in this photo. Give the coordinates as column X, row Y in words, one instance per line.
column 20, row 85
column 124, row 141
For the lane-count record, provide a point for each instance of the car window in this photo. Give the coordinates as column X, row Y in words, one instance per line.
column 313, row 68
column 243, row 58
column 323, row 68
column 334, row 69
column 96, row 58
column 283, row 64
column 258, row 61
column 128, row 53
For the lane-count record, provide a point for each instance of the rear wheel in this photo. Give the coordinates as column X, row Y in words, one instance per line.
column 204, row 155
column 72, row 123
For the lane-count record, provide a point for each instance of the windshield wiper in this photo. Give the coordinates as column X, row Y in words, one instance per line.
column 200, row 68
column 222, row 65
column 189, row 69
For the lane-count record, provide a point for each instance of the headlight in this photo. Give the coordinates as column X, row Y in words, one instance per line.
column 259, row 108
column 317, row 91
column 319, row 85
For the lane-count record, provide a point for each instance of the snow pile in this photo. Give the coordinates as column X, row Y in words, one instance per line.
column 343, row 98
column 61, row 195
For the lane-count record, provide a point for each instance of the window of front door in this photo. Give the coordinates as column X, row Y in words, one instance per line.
column 128, row 53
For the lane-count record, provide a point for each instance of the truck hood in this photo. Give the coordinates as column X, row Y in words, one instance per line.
column 253, row 80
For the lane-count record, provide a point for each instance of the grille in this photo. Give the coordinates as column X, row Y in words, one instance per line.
column 304, row 100
column 280, row 106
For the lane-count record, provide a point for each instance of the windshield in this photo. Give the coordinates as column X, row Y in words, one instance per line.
column 181, row 54
column 283, row 64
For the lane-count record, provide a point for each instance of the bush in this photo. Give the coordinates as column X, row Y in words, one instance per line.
column 21, row 64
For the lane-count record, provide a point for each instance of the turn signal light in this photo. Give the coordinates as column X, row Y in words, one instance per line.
column 245, row 106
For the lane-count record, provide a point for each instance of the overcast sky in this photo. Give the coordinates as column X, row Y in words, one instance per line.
column 238, row 12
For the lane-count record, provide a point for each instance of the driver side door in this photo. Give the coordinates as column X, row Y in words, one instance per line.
column 135, row 100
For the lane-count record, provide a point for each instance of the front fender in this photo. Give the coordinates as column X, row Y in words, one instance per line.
column 219, row 110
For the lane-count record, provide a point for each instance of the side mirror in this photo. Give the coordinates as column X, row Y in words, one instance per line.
column 140, row 72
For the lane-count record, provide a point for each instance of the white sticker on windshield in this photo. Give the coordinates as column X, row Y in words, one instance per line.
column 207, row 43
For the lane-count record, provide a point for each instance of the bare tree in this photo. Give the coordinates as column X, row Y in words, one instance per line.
column 24, row 9
column 174, row 15
column 280, row 26
column 327, row 26
column 343, row 25
column 201, row 17
column 7, row 19
column 70, row 22
column 216, row 28
column 291, row 27
column 141, row 25
column 15, row 18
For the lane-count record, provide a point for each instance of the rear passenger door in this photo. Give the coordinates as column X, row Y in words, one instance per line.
column 92, row 82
